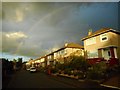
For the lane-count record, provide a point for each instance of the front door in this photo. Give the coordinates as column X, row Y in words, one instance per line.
column 106, row 53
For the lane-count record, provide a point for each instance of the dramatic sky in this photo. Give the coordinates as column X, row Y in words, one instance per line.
column 33, row 29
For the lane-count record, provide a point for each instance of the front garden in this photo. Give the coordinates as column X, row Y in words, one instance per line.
column 79, row 68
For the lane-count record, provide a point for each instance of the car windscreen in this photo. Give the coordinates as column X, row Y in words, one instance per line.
column 33, row 68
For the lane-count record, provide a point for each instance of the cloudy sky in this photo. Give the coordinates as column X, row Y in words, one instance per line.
column 33, row 29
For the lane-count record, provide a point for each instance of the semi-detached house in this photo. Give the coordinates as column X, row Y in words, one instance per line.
column 63, row 54
column 103, row 44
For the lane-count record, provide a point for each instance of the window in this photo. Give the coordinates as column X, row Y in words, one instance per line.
column 43, row 59
column 49, row 57
column 91, row 41
column 65, row 51
column 93, row 54
column 103, row 37
column 55, row 55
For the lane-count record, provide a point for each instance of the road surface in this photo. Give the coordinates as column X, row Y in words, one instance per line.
column 25, row 79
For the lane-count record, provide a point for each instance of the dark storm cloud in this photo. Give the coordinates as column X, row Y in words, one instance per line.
column 50, row 25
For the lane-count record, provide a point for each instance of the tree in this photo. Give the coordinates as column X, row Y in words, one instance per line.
column 19, row 63
column 7, row 67
column 5, row 64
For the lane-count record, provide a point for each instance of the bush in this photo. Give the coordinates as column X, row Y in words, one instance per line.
column 97, row 71
column 60, row 66
column 75, row 72
column 68, row 71
column 42, row 69
column 79, row 63
column 54, row 70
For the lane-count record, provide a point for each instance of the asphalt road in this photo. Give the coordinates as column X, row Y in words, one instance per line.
column 25, row 79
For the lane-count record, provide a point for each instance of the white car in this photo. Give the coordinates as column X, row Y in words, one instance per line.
column 28, row 69
column 33, row 69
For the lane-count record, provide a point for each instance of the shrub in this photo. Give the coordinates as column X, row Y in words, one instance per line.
column 79, row 63
column 68, row 71
column 54, row 70
column 60, row 66
column 97, row 71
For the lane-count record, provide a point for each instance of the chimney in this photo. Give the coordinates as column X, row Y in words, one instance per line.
column 66, row 44
column 89, row 32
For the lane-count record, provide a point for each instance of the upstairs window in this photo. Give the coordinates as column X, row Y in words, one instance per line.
column 91, row 41
column 103, row 37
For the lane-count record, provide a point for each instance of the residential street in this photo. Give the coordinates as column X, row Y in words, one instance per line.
column 25, row 79
column 60, row 45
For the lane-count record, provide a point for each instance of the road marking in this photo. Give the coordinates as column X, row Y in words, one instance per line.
column 110, row 86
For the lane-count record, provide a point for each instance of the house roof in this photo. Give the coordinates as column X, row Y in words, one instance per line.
column 40, row 57
column 73, row 45
column 101, row 31
column 68, row 45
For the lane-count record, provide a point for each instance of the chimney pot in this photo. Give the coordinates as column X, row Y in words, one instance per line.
column 89, row 32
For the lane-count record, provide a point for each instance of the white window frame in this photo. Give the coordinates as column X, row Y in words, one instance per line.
column 93, row 54
column 103, row 36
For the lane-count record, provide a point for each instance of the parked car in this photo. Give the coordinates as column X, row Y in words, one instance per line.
column 33, row 69
column 28, row 69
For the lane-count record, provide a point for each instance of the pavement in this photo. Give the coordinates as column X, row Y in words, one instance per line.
column 77, row 83
column 113, row 82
